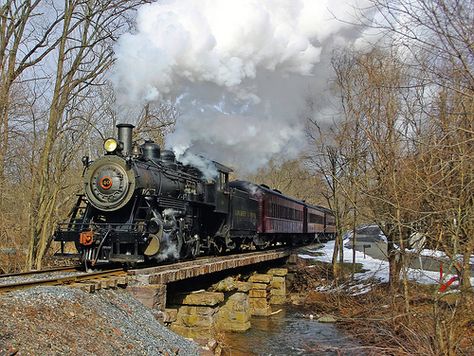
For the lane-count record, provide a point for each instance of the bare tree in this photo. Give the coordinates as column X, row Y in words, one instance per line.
column 293, row 177
column 84, row 54
column 330, row 165
column 26, row 39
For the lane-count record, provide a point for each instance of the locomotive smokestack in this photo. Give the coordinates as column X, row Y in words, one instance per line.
column 125, row 137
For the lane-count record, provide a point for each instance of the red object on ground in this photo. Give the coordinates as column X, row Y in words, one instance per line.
column 445, row 286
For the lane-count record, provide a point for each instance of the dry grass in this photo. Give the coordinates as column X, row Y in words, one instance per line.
column 433, row 325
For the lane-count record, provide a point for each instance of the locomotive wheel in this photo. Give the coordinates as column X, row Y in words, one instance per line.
column 219, row 246
column 238, row 247
column 192, row 249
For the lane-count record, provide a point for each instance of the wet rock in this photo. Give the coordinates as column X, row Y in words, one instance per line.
column 327, row 319
column 202, row 298
column 259, row 307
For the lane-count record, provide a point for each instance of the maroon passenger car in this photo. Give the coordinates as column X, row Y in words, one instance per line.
column 284, row 219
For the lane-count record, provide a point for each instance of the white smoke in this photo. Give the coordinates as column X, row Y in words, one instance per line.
column 239, row 70
column 206, row 166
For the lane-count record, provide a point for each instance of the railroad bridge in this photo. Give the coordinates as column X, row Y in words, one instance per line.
column 182, row 286
column 194, row 297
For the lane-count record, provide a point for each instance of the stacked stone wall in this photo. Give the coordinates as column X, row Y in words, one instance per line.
column 227, row 305
column 278, row 285
column 196, row 316
column 259, row 294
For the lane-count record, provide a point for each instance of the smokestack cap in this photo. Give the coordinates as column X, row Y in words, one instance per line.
column 125, row 125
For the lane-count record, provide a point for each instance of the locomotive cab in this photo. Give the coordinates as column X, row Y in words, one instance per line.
column 222, row 188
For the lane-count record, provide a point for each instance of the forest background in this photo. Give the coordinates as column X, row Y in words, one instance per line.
column 399, row 152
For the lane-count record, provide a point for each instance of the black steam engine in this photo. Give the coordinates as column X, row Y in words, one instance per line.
column 140, row 204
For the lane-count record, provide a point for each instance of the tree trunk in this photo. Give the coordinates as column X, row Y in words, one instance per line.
column 466, row 286
column 394, row 264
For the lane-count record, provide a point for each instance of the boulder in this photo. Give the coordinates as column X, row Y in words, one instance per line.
column 278, row 283
column 234, row 315
column 226, row 285
column 243, row 286
column 327, row 319
column 260, row 278
column 281, row 272
column 202, row 298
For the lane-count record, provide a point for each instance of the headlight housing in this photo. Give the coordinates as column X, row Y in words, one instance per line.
column 110, row 145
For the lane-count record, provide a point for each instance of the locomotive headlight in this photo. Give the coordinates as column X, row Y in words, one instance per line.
column 110, row 145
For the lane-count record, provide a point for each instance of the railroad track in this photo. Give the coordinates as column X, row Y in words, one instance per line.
column 111, row 278
column 42, row 271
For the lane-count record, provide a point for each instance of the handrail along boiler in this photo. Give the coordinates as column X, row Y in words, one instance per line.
column 140, row 203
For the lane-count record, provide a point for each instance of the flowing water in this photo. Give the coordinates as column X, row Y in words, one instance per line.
column 290, row 332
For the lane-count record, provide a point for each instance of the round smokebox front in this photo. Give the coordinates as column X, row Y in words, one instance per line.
column 108, row 183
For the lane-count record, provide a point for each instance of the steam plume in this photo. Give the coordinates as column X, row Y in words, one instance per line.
column 239, row 69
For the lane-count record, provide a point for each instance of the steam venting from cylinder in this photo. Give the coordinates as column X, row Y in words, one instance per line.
column 125, row 132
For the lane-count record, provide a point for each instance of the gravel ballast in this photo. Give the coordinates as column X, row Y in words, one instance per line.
column 68, row 321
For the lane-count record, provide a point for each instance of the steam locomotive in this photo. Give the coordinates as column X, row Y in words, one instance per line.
column 141, row 204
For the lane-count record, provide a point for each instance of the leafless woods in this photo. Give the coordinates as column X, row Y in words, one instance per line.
column 55, row 101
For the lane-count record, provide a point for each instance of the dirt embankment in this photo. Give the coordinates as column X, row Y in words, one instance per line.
column 64, row 321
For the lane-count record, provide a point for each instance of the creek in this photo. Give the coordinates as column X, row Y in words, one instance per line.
column 290, row 332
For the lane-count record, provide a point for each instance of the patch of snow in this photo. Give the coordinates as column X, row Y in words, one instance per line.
column 307, row 257
column 378, row 269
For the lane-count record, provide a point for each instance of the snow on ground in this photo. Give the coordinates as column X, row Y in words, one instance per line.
column 374, row 268
column 441, row 255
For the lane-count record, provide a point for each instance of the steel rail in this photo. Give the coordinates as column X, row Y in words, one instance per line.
column 61, row 280
column 40, row 271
